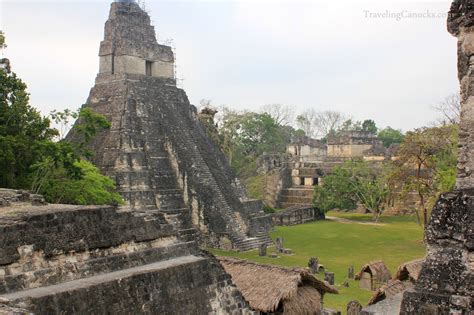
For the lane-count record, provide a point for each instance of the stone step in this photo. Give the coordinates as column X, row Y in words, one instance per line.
column 285, row 205
column 296, row 199
column 98, row 262
column 86, row 284
column 252, row 243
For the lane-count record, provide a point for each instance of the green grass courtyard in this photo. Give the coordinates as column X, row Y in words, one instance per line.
column 339, row 245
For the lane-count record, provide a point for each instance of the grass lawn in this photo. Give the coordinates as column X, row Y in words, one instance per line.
column 339, row 245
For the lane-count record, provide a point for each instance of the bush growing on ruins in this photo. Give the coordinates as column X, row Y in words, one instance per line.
column 90, row 188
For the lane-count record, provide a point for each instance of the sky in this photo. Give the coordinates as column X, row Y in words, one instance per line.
column 390, row 61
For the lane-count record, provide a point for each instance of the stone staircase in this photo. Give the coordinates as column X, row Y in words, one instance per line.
column 250, row 243
column 296, row 196
column 187, row 145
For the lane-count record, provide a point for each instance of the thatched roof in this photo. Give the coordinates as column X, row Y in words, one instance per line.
column 266, row 286
column 377, row 268
column 390, row 289
column 409, row 270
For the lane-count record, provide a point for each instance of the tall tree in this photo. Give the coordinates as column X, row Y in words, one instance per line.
column 25, row 136
column 281, row 114
column 427, row 165
column 355, row 182
column 369, row 126
column 319, row 124
column 449, row 109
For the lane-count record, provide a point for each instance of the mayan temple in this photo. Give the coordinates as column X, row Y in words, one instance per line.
column 163, row 161
column 445, row 285
column 179, row 192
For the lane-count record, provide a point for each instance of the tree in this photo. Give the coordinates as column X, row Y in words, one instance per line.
column 25, row 136
column 319, row 124
column 354, row 182
column 336, row 191
column 450, row 109
column 349, row 125
column 427, row 165
column 89, row 123
column 369, row 126
column 390, row 136
column 29, row 158
column 2, row 40
column 281, row 114
column 63, row 120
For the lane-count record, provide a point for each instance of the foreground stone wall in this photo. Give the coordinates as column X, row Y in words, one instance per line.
column 59, row 259
column 461, row 25
column 446, row 282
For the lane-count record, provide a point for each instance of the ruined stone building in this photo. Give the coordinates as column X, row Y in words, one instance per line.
column 179, row 192
column 446, row 281
column 292, row 177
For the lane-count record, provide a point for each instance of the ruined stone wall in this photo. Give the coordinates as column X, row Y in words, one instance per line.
column 276, row 181
column 446, row 282
column 61, row 259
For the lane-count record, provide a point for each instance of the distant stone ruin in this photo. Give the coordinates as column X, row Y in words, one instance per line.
column 291, row 177
column 446, row 282
column 160, row 155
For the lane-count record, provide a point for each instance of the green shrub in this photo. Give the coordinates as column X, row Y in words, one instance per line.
column 91, row 188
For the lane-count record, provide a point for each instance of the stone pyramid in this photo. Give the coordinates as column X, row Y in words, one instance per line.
column 159, row 153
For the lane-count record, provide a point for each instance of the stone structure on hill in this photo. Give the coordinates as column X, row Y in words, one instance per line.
column 291, row 177
column 158, row 152
column 446, row 281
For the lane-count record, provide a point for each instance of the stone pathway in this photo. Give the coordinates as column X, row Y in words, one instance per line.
column 347, row 221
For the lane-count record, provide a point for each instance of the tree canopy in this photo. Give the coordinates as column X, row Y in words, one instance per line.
column 31, row 159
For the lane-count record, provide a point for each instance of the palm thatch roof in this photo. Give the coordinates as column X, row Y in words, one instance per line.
column 266, row 287
column 377, row 269
column 409, row 270
column 390, row 289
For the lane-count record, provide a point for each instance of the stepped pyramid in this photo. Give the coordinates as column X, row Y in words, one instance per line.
column 160, row 155
column 179, row 191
